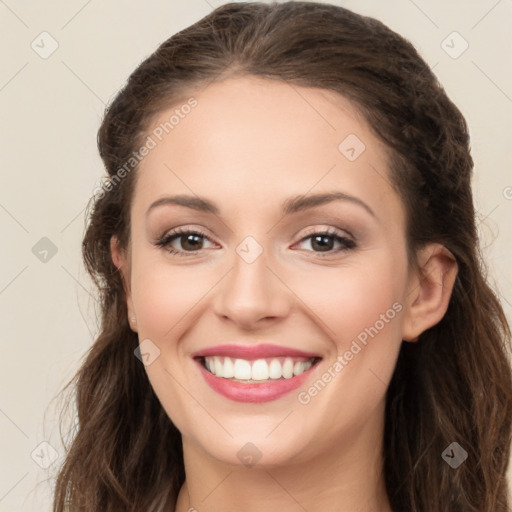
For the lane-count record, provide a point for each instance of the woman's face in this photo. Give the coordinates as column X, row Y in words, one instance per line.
column 274, row 275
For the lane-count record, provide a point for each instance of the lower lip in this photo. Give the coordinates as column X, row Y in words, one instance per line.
column 254, row 393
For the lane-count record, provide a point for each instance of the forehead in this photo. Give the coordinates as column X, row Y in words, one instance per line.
column 261, row 140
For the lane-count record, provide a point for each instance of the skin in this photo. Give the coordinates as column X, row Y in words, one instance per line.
column 249, row 145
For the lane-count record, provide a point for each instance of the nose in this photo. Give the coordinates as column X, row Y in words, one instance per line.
column 252, row 294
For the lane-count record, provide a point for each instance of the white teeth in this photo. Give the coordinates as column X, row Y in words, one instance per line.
column 242, row 369
column 275, row 370
column 298, row 368
column 260, row 370
column 301, row 367
column 287, row 368
column 229, row 371
column 257, row 370
column 218, row 366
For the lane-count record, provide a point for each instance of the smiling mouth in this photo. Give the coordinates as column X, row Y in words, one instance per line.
column 257, row 371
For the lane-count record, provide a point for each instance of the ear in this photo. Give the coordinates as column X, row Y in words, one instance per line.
column 429, row 291
column 121, row 261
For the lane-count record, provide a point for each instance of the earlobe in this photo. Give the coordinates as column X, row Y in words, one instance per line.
column 121, row 263
column 429, row 291
column 116, row 252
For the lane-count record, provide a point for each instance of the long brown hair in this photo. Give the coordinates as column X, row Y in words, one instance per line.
column 453, row 385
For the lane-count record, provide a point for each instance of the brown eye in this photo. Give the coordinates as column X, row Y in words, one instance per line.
column 325, row 241
column 190, row 242
column 181, row 242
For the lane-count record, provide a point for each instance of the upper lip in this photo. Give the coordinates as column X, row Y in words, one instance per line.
column 252, row 351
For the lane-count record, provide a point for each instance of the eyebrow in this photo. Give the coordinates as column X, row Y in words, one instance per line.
column 289, row 206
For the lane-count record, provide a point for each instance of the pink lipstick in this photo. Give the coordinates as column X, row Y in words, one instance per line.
column 257, row 373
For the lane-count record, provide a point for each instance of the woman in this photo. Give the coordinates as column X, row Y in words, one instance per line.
column 295, row 314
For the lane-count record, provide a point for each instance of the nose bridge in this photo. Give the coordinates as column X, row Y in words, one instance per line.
column 251, row 291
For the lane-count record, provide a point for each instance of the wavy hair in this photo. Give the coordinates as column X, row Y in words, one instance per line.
column 453, row 385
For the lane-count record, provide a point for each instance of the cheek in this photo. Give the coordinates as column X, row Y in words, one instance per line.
column 163, row 295
column 359, row 310
column 167, row 298
column 347, row 299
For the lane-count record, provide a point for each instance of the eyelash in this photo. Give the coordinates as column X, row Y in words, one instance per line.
column 165, row 241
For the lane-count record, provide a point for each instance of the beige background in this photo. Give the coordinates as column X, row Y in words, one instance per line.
column 51, row 109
